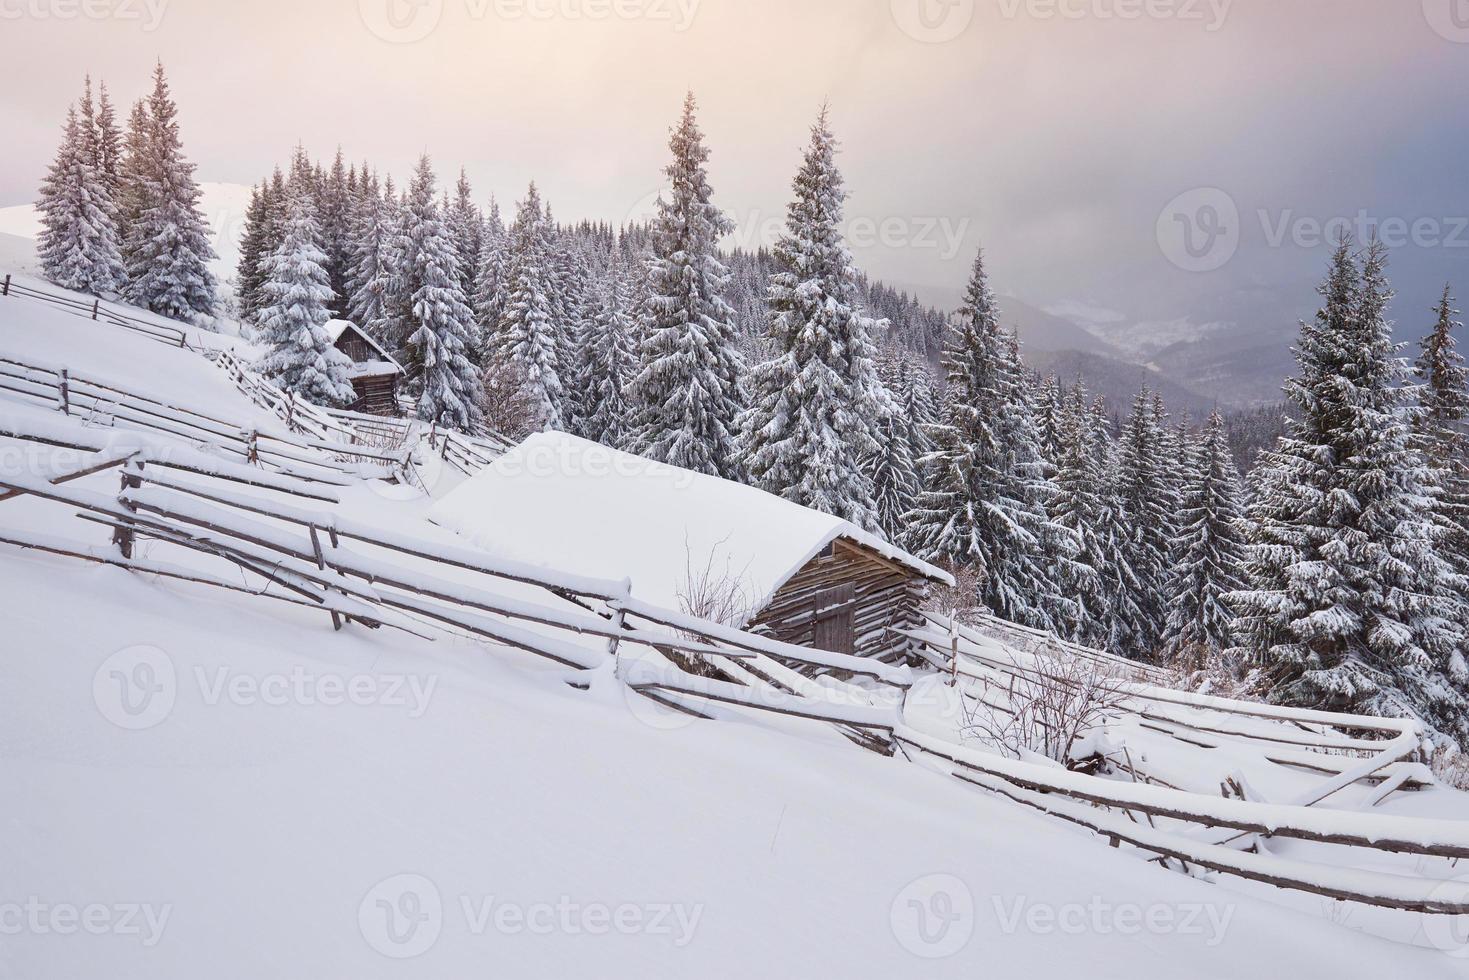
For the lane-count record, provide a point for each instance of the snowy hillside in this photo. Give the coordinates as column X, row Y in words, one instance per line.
column 207, row 782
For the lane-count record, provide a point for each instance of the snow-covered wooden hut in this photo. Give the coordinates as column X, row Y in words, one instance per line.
column 694, row 543
column 374, row 373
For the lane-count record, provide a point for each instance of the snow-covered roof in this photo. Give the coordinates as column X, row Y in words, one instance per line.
column 560, row 501
column 387, row 365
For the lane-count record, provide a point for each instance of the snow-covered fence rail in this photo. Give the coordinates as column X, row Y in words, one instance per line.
column 385, row 578
column 1077, row 798
column 309, row 458
column 92, row 309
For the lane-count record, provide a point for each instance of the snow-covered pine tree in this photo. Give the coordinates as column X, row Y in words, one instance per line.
column 1084, row 504
column 334, row 206
column 109, row 150
column 167, row 250
column 1050, row 413
column 78, row 246
column 525, row 343
column 613, row 361
column 375, row 223
column 686, row 397
column 1210, row 554
column 1147, row 497
column 895, row 483
column 815, row 403
column 986, row 506
column 1346, row 606
column 489, row 282
column 296, row 294
column 250, row 273
column 1441, row 430
column 443, row 328
column 1443, row 427
column 467, row 225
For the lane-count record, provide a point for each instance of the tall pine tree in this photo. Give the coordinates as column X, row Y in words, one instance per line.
column 815, row 404
column 296, row 291
column 686, row 396
column 986, row 507
column 166, row 246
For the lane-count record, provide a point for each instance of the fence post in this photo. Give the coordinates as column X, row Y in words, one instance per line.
column 123, row 537
column 618, row 621
column 96, row 305
column 5, row 287
column 252, row 449
column 64, row 392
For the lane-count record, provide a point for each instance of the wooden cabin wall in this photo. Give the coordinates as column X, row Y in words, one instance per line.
column 885, row 594
column 376, row 394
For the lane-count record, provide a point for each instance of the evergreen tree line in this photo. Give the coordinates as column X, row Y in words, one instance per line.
column 1336, row 576
column 120, row 208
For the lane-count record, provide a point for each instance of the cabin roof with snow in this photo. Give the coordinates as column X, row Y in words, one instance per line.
column 561, row 501
column 345, row 335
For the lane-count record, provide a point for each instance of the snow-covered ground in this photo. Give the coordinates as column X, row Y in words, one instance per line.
column 201, row 783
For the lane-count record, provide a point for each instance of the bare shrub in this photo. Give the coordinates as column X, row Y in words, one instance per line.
column 509, row 404
column 1045, row 706
column 714, row 594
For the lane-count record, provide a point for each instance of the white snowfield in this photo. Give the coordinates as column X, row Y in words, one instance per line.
column 197, row 782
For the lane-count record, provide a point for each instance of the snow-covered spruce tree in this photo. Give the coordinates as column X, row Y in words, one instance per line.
column 1145, row 488
column 259, row 240
column 986, row 506
column 525, row 339
column 78, row 242
column 375, row 223
column 466, row 224
column 334, row 207
column 1210, row 554
column 613, row 361
column 1050, row 407
column 686, row 397
column 895, row 484
column 296, row 293
column 490, row 279
column 166, row 247
column 1083, row 505
column 816, row 402
column 902, row 435
column 109, row 150
column 443, row 328
column 1442, row 428
column 1345, row 607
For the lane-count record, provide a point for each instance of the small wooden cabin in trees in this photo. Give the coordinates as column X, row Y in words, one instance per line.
column 695, row 543
column 374, row 373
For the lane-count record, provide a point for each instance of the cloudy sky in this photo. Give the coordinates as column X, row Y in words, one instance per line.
column 1158, row 158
